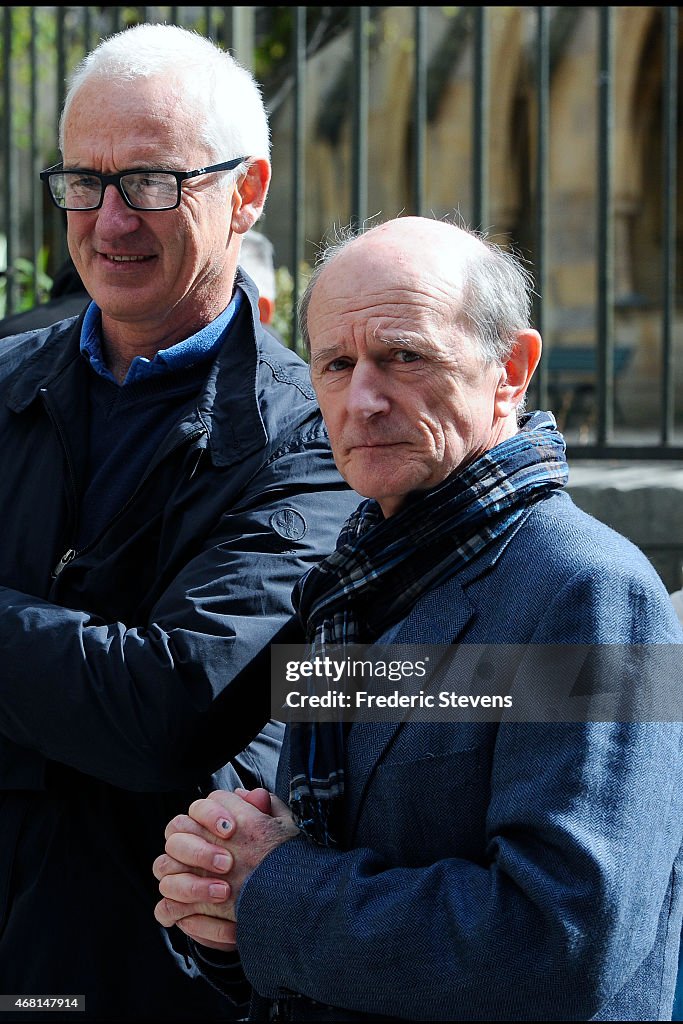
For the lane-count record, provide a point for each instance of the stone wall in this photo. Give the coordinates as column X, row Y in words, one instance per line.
column 643, row 501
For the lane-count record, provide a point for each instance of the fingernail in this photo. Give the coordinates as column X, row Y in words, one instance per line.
column 221, row 862
column 224, row 825
column 218, row 891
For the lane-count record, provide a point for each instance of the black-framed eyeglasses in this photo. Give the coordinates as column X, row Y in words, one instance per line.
column 149, row 189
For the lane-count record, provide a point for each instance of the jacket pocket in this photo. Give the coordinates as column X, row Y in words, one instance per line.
column 421, row 809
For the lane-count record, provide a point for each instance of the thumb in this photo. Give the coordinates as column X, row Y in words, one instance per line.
column 278, row 808
column 259, row 798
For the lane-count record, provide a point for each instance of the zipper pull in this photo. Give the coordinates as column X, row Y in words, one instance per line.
column 64, row 560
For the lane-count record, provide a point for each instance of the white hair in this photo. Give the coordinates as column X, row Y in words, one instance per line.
column 231, row 118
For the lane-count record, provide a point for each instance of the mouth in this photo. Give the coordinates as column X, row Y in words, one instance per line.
column 374, row 444
column 112, row 258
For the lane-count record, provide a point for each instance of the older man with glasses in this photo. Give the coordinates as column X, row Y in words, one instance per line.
column 166, row 478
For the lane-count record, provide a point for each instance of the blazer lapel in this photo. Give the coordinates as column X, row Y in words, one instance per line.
column 440, row 617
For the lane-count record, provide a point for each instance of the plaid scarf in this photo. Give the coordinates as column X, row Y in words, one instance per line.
column 381, row 567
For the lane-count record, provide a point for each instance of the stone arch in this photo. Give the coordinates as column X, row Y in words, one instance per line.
column 645, row 103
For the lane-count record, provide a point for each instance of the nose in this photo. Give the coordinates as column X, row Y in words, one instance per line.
column 115, row 217
column 368, row 393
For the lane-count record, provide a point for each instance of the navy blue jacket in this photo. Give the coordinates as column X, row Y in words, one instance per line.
column 521, row 870
column 120, row 689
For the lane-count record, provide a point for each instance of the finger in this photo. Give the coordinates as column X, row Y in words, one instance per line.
column 210, row 932
column 223, row 812
column 193, row 890
column 184, row 823
column 258, row 798
column 165, row 865
column 279, row 809
column 217, row 817
column 225, row 799
column 198, row 853
column 169, row 911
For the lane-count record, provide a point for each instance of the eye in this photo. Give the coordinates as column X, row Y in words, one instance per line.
column 406, row 355
column 84, row 181
column 337, row 365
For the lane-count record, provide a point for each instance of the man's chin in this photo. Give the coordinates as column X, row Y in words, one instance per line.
column 371, row 482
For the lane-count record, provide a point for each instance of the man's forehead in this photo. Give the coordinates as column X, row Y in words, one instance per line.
column 407, row 258
column 136, row 125
column 384, row 300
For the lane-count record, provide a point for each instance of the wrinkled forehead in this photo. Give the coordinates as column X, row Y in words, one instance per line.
column 385, row 291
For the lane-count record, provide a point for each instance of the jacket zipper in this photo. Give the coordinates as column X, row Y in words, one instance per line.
column 64, row 560
column 72, row 553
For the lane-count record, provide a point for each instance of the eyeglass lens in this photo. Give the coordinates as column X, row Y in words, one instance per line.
column 143, row 190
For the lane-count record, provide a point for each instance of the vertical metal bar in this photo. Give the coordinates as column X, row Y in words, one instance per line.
column 229, row 31
column 175, row 15
column 298, row 163
column 359, row 184
column 480, row 121
column 210, row 22
column 605, row 247
column 61, row 56
column 419, row 109
column 669, row 214
column 541, row 226
column 87, row 29
column 243, row 35
column 116, row 18
column 60, row 247
column 10, row 194
column 36, row 184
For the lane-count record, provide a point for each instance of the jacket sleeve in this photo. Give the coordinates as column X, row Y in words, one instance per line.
column 558, row 911
column 149, row 706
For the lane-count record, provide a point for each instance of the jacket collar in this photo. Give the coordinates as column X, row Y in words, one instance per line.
column 228, row 405
column 58, row 352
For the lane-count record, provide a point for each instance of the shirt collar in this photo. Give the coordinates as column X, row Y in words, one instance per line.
column 202, row 345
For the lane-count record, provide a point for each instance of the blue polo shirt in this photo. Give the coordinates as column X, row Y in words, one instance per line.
column 200, row 346
column 128, row 422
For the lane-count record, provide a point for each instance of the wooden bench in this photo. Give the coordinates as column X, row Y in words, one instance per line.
column 572, row 381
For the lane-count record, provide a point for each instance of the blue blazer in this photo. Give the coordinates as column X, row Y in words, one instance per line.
column 496, row 871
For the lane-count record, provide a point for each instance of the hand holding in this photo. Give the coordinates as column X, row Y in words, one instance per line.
column 249, row 832
column 193, row 872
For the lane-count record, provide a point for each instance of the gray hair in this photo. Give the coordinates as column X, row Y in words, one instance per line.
column 495, row 302
column 231, row 120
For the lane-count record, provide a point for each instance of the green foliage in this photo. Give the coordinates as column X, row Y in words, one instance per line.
column 32, row 286
column 273, row 42
column 284, row 298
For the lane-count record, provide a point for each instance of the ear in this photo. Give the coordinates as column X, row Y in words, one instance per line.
column 517, row 372
column 249, row 196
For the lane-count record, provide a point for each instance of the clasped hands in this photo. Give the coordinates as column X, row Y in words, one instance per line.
column 210, row 852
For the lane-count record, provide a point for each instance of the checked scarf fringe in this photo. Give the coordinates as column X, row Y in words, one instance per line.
column 381, row 567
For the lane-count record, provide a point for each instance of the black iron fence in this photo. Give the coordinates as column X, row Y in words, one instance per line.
column 612, row 368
